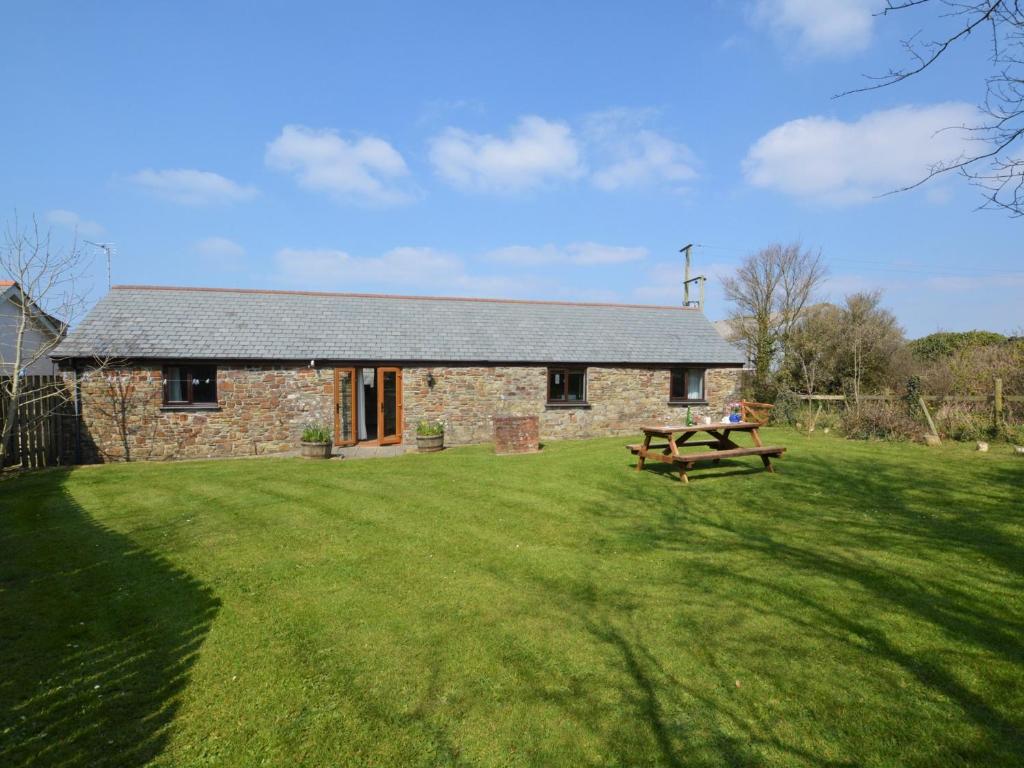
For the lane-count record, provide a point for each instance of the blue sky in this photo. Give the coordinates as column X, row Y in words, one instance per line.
column 529, row 149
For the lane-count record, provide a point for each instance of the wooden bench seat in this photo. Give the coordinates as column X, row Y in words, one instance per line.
column 634, row 448
column 765, row 451
column 686, row 460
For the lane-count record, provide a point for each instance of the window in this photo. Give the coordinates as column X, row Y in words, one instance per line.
column 687, row 385
column 567, row 385
column 190, row 385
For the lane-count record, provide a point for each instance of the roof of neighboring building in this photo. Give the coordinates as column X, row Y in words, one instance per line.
column 9, row 289
column 157, row 322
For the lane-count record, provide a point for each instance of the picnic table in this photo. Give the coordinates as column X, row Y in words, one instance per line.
column 720, row 445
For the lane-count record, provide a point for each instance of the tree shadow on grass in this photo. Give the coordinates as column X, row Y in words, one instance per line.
column 98, row 635
column 633, row 708
column 876, row 536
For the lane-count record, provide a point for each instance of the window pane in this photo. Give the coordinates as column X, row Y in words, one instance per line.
column 695, row 385
column 176, row 389
column 204, row 383
column 389, row 397
column 556, row 385
column 577, row 386
column 678, row 387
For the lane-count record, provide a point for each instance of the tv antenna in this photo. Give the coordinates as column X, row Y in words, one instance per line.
column 109, row 249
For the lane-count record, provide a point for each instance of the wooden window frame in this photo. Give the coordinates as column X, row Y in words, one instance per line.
column 353, row 402
column 191, row 402
column 565, row 401
column 684, row 400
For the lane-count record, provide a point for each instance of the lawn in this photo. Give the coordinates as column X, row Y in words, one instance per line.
column 862, row 607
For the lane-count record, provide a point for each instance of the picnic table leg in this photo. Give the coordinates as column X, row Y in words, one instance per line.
column 767, row 463
column 642, row 455
column 756, row 437
column 682, row 473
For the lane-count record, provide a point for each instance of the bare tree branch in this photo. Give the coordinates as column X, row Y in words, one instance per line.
column 769, row 294
column 998, row 170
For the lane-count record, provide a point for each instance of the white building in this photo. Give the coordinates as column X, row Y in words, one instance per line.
column 41, row 335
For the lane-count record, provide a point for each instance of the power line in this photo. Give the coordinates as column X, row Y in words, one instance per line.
column 889, row 266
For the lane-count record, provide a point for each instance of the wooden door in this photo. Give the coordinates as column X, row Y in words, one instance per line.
column 389, row 405
column 345, row 406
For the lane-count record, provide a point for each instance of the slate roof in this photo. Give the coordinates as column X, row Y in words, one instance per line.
column 156, row 322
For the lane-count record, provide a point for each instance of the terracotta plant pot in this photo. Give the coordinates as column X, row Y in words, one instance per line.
column 315, row 450
column 429, row 443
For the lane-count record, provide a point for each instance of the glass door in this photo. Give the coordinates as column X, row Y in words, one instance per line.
column 344, row 406
column 389, row 405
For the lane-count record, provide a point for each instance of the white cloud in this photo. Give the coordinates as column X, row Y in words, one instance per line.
column 219, row 247
column 71, row 220
column 536, row 151
column 848, row 162
column 414, row 269
column 585, row 254
column 822, row 27
column 367, row 169
column 633, row 154
column 192, row 187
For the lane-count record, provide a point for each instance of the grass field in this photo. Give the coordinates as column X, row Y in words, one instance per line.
column 863, row 607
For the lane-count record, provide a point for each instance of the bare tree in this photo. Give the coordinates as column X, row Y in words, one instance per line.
column 998, row 164
column 769, row 293
column 872, row 342
column 812, row 349
column 51, row 295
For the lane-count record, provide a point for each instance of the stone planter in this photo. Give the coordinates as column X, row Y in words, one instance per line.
column 315, row 450
column 429, row 443
column 516, row 434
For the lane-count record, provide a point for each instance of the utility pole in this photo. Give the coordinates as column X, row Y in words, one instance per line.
column 687, row 280
column 685, row 250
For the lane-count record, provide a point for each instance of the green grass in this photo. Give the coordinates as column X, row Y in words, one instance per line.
column 863, row 607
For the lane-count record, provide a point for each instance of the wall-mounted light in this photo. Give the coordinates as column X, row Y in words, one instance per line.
column 312, row 363
column 431, row 381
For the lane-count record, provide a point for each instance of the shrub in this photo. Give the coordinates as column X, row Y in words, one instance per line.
column 429, row 428
column 945, row 344
column 788, row 408
column 1014, row 434
column 880, row 420
column 965, row 423
column 792, row 411
column 314, row 432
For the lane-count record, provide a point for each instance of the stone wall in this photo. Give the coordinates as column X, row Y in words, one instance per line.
column 466, row 398
column 261, row 409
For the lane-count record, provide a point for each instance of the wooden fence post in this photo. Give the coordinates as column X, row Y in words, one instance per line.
column 927, row 415
column 997, row 407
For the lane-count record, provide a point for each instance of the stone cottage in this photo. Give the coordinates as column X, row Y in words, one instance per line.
column 162, row 372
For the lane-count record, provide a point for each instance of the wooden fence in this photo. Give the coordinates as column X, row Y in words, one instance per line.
column 38, row 420
column 995, row 403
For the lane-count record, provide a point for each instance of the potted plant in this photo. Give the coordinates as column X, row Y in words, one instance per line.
column 429, row 436
column 316, row 441
column 734, row 413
